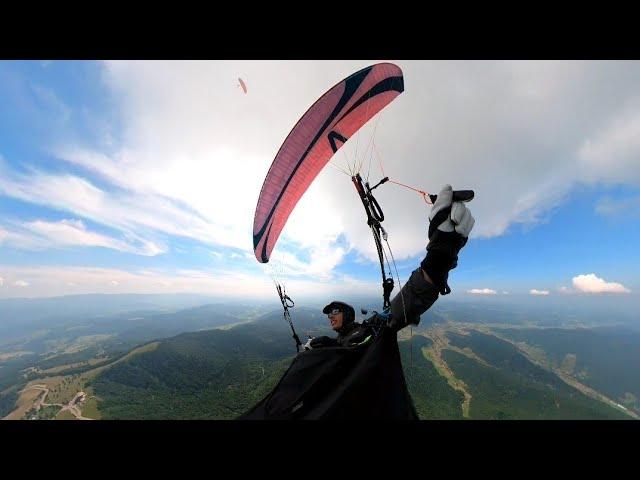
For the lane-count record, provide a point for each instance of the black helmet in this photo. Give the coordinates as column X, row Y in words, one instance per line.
column 349, row 314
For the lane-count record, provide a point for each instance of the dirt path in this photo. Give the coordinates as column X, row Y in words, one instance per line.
column 71, row 407
column 434, row 353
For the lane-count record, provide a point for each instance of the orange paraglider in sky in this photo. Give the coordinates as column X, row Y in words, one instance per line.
column 243, row 85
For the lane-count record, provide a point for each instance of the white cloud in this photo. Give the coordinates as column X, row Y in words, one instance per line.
column 482, row 291
column 21, row 283
column 21, row 239
column 322, row 261
column 114, row 282
column 565, row 290
column 126, row 212
column 611, row 154
column 1, row 281
column 505, row 292
column 74, row 233
column 539, row 292
column 42, row 235
column 590, row 283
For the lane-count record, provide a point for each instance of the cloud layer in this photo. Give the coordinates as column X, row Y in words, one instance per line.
column 193, row 150
column 65, row 280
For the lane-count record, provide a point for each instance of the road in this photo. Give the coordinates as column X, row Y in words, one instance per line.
column 72, row 406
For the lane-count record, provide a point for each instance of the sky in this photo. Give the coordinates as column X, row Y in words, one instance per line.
column 143, row 177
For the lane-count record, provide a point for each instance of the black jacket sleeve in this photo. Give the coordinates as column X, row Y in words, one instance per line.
column 415, row 298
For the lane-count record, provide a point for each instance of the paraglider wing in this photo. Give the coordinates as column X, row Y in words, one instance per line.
column 243, row 85
column 321, row 131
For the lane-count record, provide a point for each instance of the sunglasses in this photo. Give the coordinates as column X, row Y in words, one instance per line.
column 335, row 311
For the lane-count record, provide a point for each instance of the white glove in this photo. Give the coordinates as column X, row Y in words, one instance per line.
column 307, row 346
column 460, row 218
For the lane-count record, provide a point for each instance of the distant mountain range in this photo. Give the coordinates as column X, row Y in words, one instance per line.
column 139, row 358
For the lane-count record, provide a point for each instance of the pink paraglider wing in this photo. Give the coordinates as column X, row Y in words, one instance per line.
column 321, row 131
column 243, row 85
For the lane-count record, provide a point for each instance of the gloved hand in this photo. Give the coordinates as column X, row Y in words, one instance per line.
column 449, row 226
column 307, row 346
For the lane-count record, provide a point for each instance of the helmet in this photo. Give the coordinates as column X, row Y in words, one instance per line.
column 349, row 314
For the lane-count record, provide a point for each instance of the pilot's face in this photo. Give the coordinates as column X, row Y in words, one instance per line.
column 335, row 317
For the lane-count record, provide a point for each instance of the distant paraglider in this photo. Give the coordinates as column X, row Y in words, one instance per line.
column 243, row 85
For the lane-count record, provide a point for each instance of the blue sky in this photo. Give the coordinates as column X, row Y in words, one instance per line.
column 126, row 177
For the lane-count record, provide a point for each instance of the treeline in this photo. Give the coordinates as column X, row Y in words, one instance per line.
column 208, row 375
column 133, row 390
column 8, row 401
